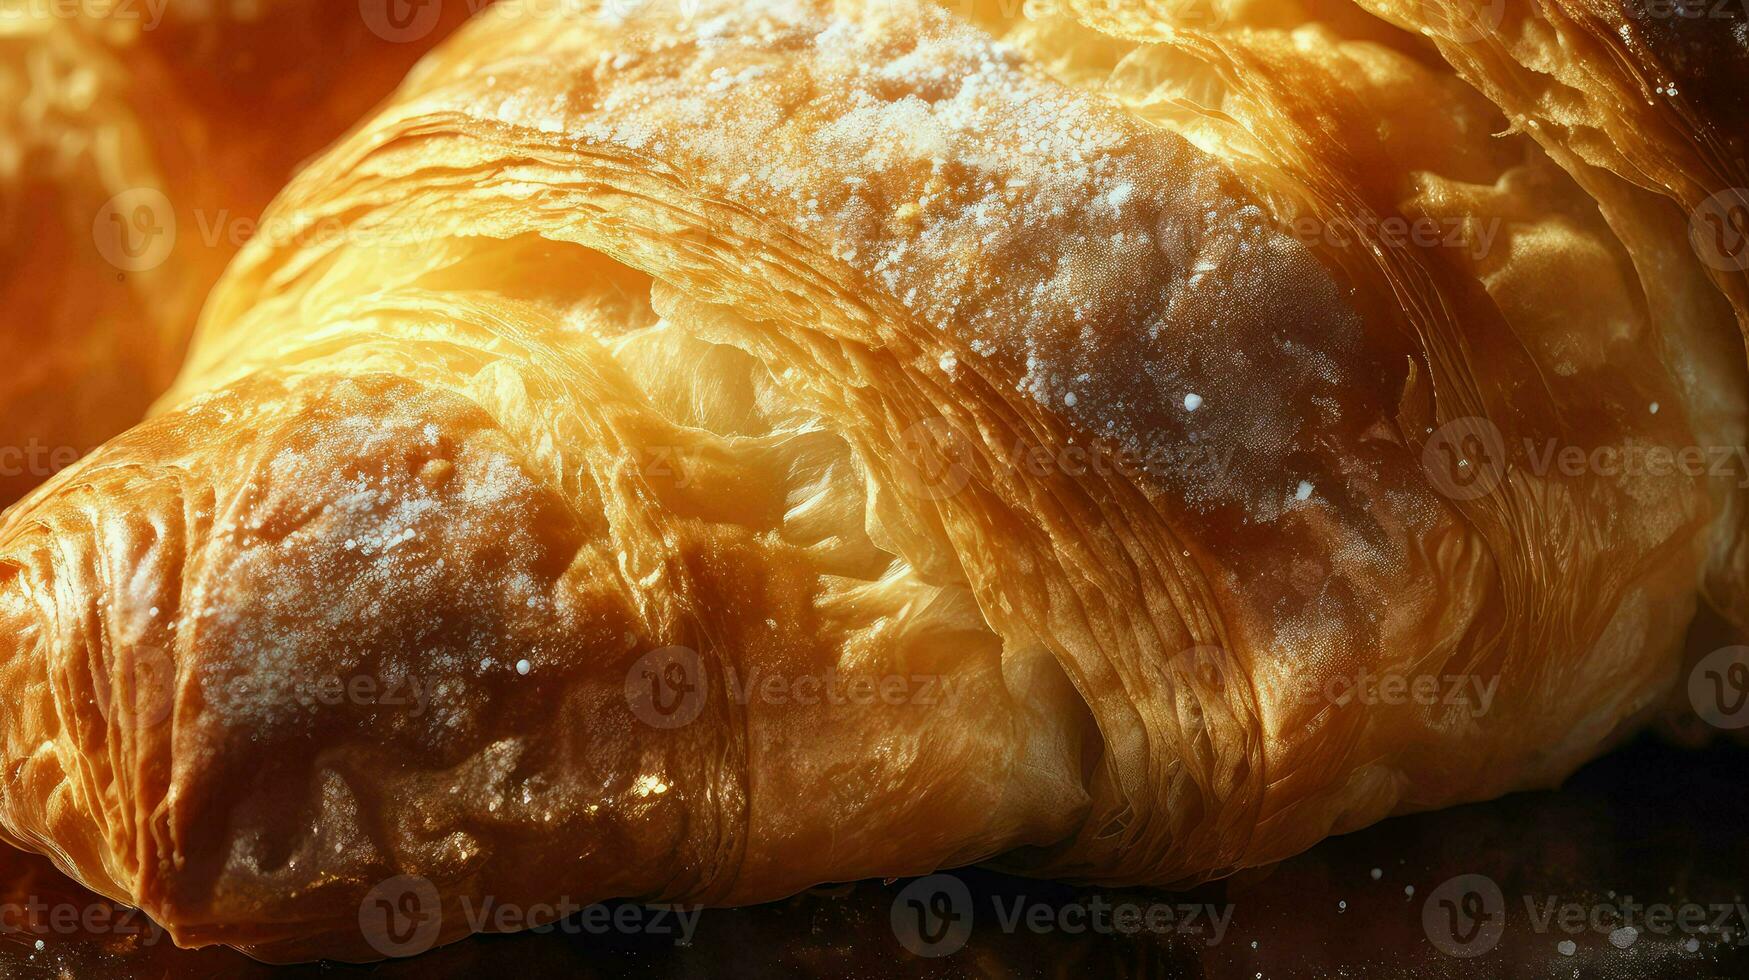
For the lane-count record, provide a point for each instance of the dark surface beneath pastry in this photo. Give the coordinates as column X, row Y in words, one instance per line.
column 1650, row 824
column 1705, row 44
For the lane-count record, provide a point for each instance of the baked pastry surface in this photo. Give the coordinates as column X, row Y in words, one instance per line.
column 1118, row 393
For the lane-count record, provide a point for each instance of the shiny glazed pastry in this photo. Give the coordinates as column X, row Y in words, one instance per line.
column 807, row 441
column 139, row 142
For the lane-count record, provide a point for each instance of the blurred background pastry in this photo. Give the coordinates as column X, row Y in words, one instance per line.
column 139, row 141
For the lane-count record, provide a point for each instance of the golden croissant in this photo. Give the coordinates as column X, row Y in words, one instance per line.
column 694, row 451
column 139, row 141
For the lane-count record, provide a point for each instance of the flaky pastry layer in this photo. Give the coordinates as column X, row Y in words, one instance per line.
column 1081, row 375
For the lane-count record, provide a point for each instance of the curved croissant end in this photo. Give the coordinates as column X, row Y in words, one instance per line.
column 776, row 443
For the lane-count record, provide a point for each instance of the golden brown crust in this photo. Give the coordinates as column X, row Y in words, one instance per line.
column 1641, row 101
column 817, row 340
column 1633, row 89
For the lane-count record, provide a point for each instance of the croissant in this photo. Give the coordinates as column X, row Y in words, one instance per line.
column 133, row 162
column 694, row 452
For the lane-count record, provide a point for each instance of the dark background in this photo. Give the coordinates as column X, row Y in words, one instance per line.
column 1651, row 821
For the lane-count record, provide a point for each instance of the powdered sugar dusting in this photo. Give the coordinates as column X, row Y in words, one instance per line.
column 931, row 161
column 357, row 544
